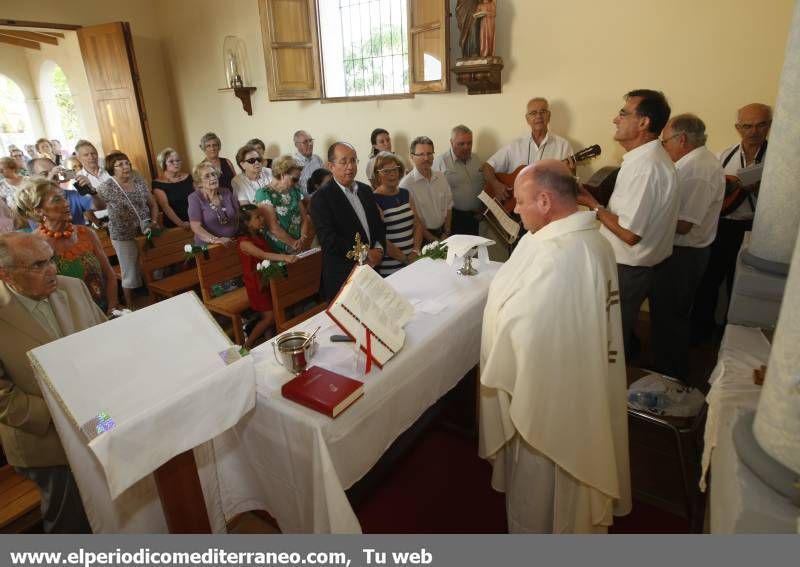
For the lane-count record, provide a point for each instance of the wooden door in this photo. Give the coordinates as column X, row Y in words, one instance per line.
column 114, row 82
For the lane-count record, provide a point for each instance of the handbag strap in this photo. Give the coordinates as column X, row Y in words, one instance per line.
column 125, row 194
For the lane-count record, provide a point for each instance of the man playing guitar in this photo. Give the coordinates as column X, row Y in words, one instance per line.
column 527, row 149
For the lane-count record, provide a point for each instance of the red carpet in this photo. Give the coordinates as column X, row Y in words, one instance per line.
column 441, row 486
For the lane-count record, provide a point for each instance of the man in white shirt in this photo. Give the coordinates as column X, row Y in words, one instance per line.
column 643, row 210
column 91, row 171
column 539, row 144
column 551, row 340
column 431, row 192
column 753, row 122
column 306, row 157
column 462, row 169
column 701, row 187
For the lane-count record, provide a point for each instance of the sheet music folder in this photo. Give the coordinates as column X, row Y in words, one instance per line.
column 367, row 303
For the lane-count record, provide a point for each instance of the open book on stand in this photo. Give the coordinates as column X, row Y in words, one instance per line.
column 372, row 313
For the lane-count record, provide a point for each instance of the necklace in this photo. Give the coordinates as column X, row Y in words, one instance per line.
column 66, row 233
column 219, row 210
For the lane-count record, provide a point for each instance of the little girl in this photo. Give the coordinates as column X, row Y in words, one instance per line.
column 253, row 248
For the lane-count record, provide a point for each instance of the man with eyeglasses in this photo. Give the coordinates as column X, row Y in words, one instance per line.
column 753, row 122
column 431, row 192
column 701, row 187
column 19, row 157
column 642, row 213
column 306, row 157
column 340, row 209
column 539, row 144
column 38, row 306
column 463, row 172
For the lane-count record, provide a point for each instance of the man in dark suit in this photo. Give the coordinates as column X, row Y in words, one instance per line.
column 341, row 209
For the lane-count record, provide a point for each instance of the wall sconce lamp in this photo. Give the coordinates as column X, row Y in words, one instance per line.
column 237, row 71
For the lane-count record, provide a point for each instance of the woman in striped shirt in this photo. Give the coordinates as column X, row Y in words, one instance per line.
column 403, row 229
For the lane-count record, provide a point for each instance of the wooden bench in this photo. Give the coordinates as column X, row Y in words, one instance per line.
column 302, row 283
column 168, row 251
column 111, row 254
column 19, row 502
column 223, row 264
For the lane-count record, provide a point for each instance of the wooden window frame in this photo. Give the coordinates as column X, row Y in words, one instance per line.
column 316, row 89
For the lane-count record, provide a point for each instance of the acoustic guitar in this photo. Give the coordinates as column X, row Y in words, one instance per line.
column 507, row 179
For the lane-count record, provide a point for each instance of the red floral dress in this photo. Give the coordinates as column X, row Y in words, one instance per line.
column 260, row 299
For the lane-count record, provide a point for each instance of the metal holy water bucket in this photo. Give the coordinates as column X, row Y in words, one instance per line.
column 290, row 353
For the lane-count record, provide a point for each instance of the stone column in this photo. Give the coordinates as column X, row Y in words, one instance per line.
column 764, row 260
column 778, row 212
column 777, row 422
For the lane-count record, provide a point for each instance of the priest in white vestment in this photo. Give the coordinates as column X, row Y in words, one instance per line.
column 553, row 408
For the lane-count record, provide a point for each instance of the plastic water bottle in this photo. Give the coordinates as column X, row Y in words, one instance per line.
column 652, row 401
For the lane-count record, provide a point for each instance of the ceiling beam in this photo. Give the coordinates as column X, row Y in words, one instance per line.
column 19, row 42
column 26, row 24
column 53, row 34
column 32, row 36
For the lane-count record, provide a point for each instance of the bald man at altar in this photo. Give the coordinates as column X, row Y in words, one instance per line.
column 553, row 408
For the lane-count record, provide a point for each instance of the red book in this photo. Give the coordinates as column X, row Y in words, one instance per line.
column 323, row 391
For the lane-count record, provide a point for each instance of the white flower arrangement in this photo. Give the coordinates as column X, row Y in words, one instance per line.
column 435, row 251
column 190, row 251
column 268, row 270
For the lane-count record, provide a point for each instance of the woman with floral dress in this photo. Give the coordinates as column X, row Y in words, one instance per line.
column 281, row 203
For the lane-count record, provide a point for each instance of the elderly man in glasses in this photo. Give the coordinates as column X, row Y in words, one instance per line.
column 306, row 157
column 539, row 144
column 642, row 213
column 341, row 209
column 38, row 306
column 738, row 209
column 430, row 190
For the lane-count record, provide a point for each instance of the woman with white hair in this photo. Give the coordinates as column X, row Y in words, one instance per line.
column 211, row 145
column 281, row 203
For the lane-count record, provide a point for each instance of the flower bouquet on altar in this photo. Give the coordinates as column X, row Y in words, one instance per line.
column 435, row 251
column 268, row 270
column 190, row 251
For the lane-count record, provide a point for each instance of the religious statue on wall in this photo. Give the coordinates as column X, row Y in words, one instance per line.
column 479, row 67
column 476, row 25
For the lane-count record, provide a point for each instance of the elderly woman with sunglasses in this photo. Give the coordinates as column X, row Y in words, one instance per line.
column 213, row 210
column 281, row 203
column 254, row 175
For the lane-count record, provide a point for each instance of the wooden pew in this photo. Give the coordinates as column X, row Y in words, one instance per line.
column 19, row 502
column 108, row 248
column 168, row 251
column 301, row 284
column 223, row 264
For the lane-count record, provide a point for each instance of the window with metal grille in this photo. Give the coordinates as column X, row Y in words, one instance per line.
column 364, row 46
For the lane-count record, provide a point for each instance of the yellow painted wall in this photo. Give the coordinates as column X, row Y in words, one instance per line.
column 67, row 55
column 14, row 65
column 146, row 25
column 709, row 57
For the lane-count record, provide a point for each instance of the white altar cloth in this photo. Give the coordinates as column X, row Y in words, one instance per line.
column 739, row 501
column 297, row 463
column 158, row 374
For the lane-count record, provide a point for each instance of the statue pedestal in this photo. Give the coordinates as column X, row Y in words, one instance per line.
column 481, row 75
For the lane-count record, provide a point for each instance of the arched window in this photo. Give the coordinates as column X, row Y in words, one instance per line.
column 60, row 114
column 15, row 124
column 67, row 113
